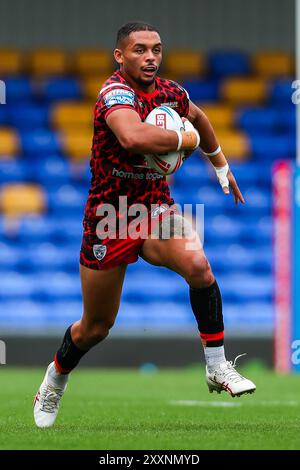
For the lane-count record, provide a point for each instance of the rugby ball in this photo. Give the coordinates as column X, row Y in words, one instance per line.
column 166, row 118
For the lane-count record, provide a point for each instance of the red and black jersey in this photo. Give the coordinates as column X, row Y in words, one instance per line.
column 115, row 171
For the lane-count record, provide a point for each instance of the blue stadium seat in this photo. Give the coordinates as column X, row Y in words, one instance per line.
column 247, row 287
column 17, row 286
column 253, row 173
column 272, row 147
column 52, row 171
column 44, row 256
column 3, row 115
column 256, row 119
column 67, row 200
column 18, row 89
column 194, row 172
column 271, row 120
column 281, row 92
column 13, row 171
column 23, row 315
column 28, row 116
column 40, row 142
column 202, row 90
column 62, row 89
column 60, row 286
column 9, row 258
column 288, row 118
column 36, row 229
column 136, row 288
column 239, row 257
column 223, row 64
column 68, row 231
column 255, row 317
column 222, row 227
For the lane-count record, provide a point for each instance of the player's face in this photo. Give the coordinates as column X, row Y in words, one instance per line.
column 140, row 57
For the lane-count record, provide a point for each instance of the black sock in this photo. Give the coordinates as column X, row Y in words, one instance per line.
column 68, row 355
column 207, row 307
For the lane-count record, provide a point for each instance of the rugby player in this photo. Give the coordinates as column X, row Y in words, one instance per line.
column 121, row 138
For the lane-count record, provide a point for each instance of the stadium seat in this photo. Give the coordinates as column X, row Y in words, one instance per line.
column 92, row 85
column 48, row 62
column 34, row 228
column 202, row 90
column 77, row 143
column 20, row 199
column 270, row 146
column 17, row 286
column 28, row 116
column 13, row 170
column 60, row 286
column 67, row 200
column 18, row 90
column 227, row 63
column 234, row 144
column 9, row 142
column 273, row 119
column 272, row 64
column 93, row 61
column 3, row 115
column 10, row 62
column 51, row 171
column 264, row 119
column 220, row 115
column 281, row 92
column 239, row 91
column 48, row 257
column 39, row 142
column 61, row 89
column 10, row 255
column 183, row 63
column 72, row 116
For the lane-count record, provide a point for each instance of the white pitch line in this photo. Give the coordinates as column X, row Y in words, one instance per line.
column 228, row 404
column 217, row 404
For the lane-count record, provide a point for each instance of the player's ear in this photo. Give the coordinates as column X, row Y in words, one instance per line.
column 118, row 55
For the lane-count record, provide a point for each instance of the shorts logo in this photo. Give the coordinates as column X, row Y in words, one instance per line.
column 99, row 251
column 159, row 210
column 119, row 97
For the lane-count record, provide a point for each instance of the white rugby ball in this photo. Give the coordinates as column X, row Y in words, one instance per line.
column 166, row 118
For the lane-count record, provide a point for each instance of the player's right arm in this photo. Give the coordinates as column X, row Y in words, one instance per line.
column 140, row 137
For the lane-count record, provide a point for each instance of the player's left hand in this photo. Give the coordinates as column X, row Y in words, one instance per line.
column 238, row 197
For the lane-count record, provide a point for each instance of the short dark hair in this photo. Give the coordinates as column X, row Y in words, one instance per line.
column 132, row 27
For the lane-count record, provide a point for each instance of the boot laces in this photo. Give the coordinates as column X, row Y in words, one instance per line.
column 51, row 398
column 230, row 373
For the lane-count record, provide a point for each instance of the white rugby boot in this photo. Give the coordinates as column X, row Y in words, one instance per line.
column 47, row 399
column 226, row 378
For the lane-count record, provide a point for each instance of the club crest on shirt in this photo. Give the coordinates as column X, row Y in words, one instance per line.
column 99, row 251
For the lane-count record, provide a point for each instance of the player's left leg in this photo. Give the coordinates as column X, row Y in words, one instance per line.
column 206, row 303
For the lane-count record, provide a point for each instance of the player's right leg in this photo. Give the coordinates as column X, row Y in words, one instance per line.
column 101, row 292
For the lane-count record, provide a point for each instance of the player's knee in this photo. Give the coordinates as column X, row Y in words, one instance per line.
column 198, row 272
column 98, row 331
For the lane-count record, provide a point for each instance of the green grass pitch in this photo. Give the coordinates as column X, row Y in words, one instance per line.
column 169, row 409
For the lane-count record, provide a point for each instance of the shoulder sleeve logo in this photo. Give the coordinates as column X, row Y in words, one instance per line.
column 119, row 96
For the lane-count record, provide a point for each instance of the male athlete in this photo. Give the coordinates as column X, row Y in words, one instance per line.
column 121, row 138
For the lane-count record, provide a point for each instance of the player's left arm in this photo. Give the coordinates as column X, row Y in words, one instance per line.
column 211, row 148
